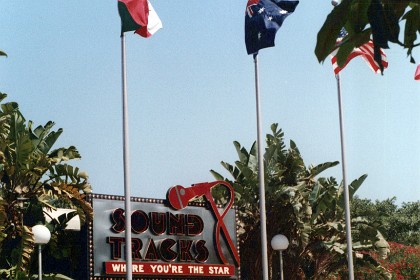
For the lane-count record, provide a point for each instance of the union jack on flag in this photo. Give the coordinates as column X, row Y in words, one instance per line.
column 366, row 51
column 262, row 20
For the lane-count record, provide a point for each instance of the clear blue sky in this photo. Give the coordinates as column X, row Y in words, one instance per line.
column 191, row 94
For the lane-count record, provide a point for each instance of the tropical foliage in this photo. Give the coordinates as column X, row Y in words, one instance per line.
column 399, row 224
column 363, row 19
column 403, row 263
column 33, row 176
column 307, row 209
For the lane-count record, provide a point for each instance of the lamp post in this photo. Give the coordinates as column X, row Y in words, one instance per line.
column 280, row 243
column 41, row 235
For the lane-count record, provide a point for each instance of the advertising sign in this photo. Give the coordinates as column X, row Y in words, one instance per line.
column 171, row 239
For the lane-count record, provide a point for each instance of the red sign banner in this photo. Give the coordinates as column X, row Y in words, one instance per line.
column 118, row 268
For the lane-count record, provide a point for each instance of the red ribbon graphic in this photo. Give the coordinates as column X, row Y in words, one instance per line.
column 179, row 197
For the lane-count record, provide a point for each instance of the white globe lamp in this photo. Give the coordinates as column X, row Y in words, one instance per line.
column 42, row 236
column 280, row 243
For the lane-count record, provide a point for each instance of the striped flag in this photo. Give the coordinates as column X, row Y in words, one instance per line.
column 138, row 16
column 417, row 73
column 366, row 51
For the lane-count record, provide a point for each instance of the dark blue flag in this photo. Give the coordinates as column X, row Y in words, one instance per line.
column 262, row 20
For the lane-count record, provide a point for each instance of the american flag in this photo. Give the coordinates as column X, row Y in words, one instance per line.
column 366, row 51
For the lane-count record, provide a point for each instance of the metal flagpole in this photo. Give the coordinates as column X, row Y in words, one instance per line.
column 127, row 190
column 261, row 175
column 40, row 261
column 346, row 189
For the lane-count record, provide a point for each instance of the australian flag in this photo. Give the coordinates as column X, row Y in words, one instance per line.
column 262, row 20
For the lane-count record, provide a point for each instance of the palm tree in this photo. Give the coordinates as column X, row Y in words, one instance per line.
column 32, row 177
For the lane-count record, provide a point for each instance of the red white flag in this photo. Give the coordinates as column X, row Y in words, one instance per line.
column 417, row 73
column 366, row 51
column 138, row 16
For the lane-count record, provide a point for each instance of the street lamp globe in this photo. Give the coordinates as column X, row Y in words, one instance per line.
column 279, row 242
column 41, row 234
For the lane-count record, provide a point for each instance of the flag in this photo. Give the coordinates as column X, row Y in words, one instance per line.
column 366, row 51
column 138, row 16
column 262, row 20
column 417, row 73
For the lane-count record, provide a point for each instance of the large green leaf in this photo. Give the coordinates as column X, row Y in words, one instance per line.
column 355, row 185
column 322, row 167
column 329, row 31
column 217, row 175
column 22, row 145
column 412, row 25
column 242, row 153
column 358, row 19
column 51, row 138
column 348, row 45
column 314, row 193
column 2, row 96
column 26, row 249
column 8, row 107
column 43, row 138
column 64, row 154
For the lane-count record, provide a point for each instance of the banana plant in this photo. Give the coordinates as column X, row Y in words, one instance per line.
column 33, row 175
column 306, row 208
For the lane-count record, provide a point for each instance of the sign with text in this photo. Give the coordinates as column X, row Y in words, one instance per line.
column 170, row 238
column 172, row 269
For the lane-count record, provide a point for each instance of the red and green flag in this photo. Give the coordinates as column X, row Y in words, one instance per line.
column 138, row 16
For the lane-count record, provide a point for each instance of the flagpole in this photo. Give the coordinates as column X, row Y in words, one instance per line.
column 346, row 189
column 261, row 180
column 127, row 190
